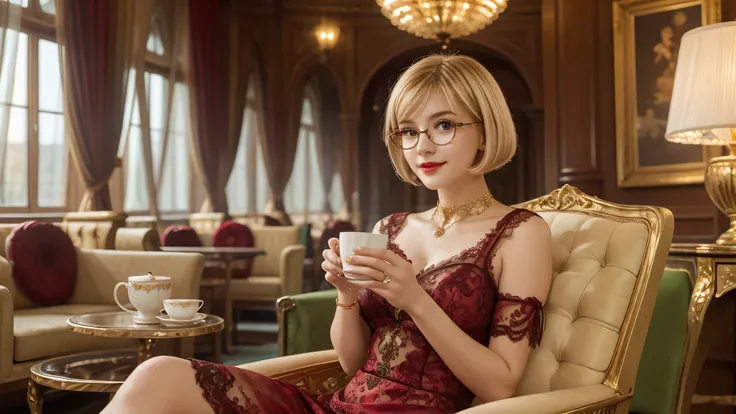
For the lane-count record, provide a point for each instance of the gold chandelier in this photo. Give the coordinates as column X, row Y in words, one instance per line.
column 441, row 19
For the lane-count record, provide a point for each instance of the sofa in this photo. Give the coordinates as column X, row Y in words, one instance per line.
column 98, row 230
column 30, row 333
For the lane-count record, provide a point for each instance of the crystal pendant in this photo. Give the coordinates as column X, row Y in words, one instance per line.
column 439, row 231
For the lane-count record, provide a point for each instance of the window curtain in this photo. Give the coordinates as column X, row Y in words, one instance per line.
column 166, row 20
column 348, row 161
column 328, row 140
column 140, row 37
column 280, row 141
column 97, row 39
column 217, row 75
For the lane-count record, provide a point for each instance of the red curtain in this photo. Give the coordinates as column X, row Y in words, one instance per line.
column 217, row 75
column 97, row 48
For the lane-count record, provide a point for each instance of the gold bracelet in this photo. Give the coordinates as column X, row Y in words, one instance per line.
column 344, row 306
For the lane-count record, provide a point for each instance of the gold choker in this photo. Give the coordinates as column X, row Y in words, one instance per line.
column 447, row 216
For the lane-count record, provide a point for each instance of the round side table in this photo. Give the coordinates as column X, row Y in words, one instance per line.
column 105, row 371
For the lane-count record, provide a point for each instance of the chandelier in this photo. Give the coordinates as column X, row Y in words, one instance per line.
column 442, row 19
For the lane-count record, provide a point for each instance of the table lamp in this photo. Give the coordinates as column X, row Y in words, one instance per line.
column 703, row 109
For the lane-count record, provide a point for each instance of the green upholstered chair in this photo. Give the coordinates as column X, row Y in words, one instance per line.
column 660, row 370
column 304, row 326
column 304, row 322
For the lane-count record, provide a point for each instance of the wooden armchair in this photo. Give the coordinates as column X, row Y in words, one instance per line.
column 608, row 262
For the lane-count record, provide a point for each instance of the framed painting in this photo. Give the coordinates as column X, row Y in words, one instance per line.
column 646, row 38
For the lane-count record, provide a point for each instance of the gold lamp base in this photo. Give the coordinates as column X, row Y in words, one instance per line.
column 720, row 182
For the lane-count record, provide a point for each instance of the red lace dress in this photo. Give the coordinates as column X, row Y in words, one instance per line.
column 403, row 373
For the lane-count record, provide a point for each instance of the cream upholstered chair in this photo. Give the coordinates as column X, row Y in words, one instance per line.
column 608, row 261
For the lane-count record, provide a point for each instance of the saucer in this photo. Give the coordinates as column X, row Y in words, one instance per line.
column 166, row 320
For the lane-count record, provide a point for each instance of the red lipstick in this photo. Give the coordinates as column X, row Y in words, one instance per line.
column 429, row 167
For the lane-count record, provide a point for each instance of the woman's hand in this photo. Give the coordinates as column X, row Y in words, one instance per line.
column 333, row 266
column 391, row 276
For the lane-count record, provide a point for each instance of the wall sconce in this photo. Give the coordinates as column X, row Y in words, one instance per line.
column 327, row 35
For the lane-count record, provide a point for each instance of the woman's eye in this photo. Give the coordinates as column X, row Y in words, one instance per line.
column 444, row 125
column 410, row 133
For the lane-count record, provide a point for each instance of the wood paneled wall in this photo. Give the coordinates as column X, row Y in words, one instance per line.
column 562, row 49
column 580, row 116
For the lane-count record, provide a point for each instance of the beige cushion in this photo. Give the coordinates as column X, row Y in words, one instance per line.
column 42, row 332
column 273, row 240
column 256, row 287
column 596, row 262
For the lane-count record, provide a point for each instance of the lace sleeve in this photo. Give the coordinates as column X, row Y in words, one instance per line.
column 518, row 318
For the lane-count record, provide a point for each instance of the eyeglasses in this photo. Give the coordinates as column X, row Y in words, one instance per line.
column 442, row 133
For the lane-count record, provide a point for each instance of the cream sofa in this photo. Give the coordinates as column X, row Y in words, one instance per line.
column 29, row 333
column 608, row 261
column 98, row 233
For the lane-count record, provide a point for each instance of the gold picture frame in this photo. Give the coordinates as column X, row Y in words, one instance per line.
column 644, row 65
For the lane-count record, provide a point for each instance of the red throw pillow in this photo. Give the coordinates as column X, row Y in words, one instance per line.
column 234, row 234
column 180, row 236
column 44, row 262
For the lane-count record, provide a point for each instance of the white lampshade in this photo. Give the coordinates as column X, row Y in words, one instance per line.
column 703, row 105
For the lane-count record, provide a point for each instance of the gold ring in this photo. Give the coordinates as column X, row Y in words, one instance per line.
column 386, row 278
column 348, row 258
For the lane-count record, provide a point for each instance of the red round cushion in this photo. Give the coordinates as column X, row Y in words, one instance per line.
column 234, row 234
column 180, row 236
column 44, row 262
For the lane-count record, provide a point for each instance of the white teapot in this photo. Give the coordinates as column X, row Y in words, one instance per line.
column 147, row 294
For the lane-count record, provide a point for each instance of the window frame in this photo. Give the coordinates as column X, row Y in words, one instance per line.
column 37, row 25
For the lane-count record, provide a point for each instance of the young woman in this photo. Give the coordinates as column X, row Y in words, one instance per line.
column 452, row 307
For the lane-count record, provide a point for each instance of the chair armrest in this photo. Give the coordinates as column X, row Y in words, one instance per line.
column 291, row 269
column 6, row 328
column 589, row 397
column 100, row 270
column 304, row 322
column 137, row 239
column 285, row 366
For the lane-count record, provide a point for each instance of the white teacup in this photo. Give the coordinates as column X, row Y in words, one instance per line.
column 147, row 294
column 349, row 241
column 182, row 309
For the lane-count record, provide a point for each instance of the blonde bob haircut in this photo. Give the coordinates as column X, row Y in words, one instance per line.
column 467, row 85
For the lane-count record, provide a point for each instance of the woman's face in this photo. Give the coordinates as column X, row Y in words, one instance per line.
column 441, row 166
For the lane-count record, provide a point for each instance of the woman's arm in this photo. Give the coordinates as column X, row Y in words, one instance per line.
column 349, row 333
column 492, row 373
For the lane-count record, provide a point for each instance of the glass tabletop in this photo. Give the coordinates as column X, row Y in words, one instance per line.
column 121, row 325
column 98, row 371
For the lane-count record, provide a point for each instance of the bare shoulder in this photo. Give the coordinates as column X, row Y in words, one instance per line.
column 533, row 230
column 527, row 259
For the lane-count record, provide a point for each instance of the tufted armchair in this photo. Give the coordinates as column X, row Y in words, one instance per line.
column 277, row 273
column 608, row 262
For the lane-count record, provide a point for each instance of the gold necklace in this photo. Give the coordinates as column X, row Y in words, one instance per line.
column 445, row 217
